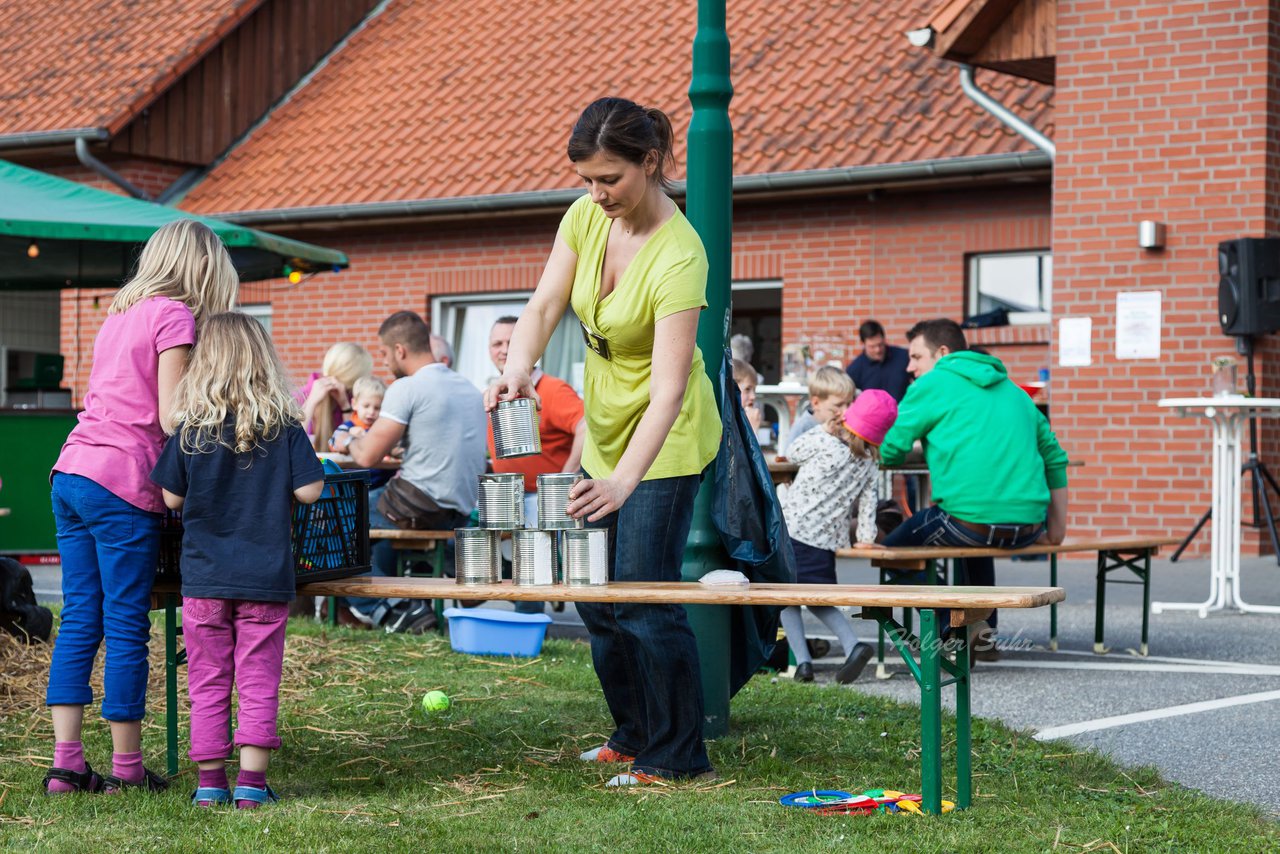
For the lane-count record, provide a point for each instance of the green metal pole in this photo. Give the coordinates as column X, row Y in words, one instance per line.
column 709, row 205
column 171, row 682
column 930, row 712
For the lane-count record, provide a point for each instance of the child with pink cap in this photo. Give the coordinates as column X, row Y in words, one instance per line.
column 839, row 465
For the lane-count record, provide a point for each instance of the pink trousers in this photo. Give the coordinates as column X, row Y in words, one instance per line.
column 233, row 642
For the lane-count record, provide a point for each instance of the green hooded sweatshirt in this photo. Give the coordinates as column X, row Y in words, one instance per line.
column 992, row 457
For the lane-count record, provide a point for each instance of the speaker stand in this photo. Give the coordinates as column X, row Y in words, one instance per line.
column 1260, row 477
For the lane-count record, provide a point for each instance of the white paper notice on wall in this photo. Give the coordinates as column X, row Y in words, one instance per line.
column 1075, row 342
column 1138, row 325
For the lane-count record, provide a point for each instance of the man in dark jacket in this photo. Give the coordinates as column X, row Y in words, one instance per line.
column 881, row 365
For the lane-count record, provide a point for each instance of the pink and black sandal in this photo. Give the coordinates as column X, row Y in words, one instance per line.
column 87, row 780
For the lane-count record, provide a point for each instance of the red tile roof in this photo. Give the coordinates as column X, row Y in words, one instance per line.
column 459, row 98
column 73, row 64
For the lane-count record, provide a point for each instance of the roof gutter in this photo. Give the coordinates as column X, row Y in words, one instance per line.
column 1001, row 112
column 91, row 162
column 39, row 139
column 852, row 176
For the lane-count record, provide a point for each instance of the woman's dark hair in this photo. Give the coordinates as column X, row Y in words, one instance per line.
column 624, row 129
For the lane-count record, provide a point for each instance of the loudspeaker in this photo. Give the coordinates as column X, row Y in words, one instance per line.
column 1249, row 285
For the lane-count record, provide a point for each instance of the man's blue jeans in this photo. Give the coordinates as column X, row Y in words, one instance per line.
column 109, row 550
column 933, row 526
column 383, row 558
column 645, row 655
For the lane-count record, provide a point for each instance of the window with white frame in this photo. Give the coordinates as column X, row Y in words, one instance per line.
column 260, row 312
column 1019, row 282
column 465, row 322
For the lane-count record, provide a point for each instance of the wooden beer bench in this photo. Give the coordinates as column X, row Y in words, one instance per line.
column 935, row 667
column 1131, row 553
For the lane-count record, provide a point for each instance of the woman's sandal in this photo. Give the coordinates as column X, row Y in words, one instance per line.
column 151, row 781
column 208, row 796
column 256, row 796
column 87, row 780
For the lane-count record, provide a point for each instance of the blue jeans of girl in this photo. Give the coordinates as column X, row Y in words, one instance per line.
column 645, row 655
column 933, row 526
column 109, row 550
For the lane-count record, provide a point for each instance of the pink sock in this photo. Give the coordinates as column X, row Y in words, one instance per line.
column 215, row 779
column 254, row 779
column 127, row 766
column 68, row 755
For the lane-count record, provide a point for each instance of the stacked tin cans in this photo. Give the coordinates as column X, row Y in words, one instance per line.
column 560, row 550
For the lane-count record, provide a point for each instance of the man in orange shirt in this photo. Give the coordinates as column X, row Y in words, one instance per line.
column 561, row 424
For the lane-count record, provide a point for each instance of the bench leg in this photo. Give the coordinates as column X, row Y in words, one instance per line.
column 882, row 672
column 930, row 712
column 964, row 719
column 437, row 571
column 1100, row 607
column 1146, row 598
column 1053, row 608
column 171, row 682
column 333, row 610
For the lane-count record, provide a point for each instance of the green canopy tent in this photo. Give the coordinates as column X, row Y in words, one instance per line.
column 84, row 237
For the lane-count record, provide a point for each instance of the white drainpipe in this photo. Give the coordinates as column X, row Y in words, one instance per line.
column 1001, row 112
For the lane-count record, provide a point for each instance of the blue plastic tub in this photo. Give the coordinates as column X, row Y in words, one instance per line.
column 488, row 631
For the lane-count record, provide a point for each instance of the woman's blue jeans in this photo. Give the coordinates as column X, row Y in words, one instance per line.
column 109, row 550
column 933, row 526
column 646, row 656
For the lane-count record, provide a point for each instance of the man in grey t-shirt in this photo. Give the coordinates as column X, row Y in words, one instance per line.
column 438, row 416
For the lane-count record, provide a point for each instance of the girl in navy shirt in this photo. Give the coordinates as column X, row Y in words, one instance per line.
column 234, row 465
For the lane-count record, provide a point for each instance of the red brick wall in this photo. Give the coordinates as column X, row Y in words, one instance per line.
column 899, row 259
column 1161, row 113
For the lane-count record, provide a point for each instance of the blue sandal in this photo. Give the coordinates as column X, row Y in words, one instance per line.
column 257, row 796
column 208, row 796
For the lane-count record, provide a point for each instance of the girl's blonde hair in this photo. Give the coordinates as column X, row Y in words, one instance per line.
column 346, row 363
column 233, row 374
column 857, row 445
column 742, row 371
column 185, row 261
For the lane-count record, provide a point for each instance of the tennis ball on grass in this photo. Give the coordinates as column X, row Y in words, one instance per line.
column 435, row 701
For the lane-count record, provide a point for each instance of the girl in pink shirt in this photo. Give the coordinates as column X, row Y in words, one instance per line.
column 106, row 507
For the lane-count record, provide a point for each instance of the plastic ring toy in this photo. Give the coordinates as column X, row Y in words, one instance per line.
column 811, row 798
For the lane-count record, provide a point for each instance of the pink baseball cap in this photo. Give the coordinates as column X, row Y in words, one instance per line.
column 871, row 415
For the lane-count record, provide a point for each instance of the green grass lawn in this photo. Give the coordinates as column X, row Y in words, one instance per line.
column 363, row 769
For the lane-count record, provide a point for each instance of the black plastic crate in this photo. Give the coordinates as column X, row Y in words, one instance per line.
column 330, row 537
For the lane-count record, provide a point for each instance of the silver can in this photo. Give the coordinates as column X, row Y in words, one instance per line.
column 586, row 557
column 553, row 498
column 533, row 557
column 478, row 555
column 502, row 501
column 515, row 428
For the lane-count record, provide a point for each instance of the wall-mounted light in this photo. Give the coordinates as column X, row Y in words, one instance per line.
column 295, row 276
column 922, row 37
column 1151, row 234
column 33, row 250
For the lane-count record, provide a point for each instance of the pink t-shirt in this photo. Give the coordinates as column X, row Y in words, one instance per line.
column 118, row 440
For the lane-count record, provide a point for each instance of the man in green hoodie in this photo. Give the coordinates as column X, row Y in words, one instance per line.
column 998, row 474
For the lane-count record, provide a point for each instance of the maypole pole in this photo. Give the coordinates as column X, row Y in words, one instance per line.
column 709, row 204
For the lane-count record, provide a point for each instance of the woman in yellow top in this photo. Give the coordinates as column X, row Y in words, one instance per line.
column 635, row 272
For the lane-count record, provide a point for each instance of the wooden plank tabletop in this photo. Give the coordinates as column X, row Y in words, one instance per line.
column 1119, row 544
column 861, row 595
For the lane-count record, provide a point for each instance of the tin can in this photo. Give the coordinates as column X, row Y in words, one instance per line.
column 533, row 557
column 553, row 498
column 478, row 555
column 586, row 557
column 515, row 428
column 502, row 501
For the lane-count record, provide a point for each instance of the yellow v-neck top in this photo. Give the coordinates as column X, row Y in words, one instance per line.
column 667, row 275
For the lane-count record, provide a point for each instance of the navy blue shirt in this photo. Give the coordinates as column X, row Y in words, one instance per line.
column 890, row 375
column 236, row 538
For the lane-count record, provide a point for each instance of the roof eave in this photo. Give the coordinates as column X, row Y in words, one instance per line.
column 47, row 138
column 876, row 176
